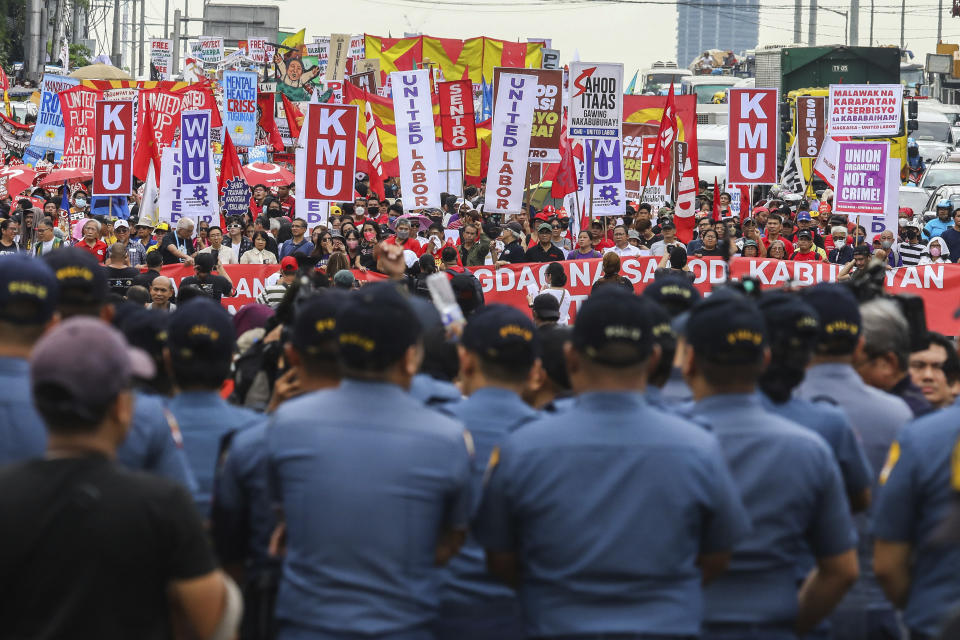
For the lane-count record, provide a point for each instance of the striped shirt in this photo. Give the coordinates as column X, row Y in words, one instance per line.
column 273, row 295
column 910, row 253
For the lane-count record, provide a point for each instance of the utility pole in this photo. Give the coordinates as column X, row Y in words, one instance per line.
column 176, row 42
column 143, row 9
column 903, row 15
column 871, row 23
column 115, row 45
column 797, row 20
column 166, row 18
column 31, row 38
column 854, row 23
column 940, row 23
column 57, row 21
column 44, row 29
column 812, row 28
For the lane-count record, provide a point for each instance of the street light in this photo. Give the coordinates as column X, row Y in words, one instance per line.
column 846, row 23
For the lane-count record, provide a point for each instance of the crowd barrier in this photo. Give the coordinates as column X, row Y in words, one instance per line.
column 938, row 285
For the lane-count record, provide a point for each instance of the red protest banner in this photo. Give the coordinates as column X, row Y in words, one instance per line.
column 164, row 108
column 113, row 168
column 457, row 122
column 752, row 142
column 937, row 284
column 331, row 151
column 79, row 115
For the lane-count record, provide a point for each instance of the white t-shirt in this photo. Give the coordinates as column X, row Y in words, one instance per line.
column 563, row 297
column 627, row 251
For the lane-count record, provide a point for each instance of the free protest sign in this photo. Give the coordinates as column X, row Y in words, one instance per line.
column 861, row 178
column 161, row 57
column 865, row 109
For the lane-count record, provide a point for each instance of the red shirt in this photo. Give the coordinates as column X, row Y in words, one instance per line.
column 811, row 256
column 410, row 245
column 606, row 243
column 289, row 206
column 787, row 245
column 98, row 250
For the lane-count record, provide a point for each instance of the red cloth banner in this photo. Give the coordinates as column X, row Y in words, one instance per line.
column 752, row 142
column 938, row 285
column 331, row 152
column 164, row 108
column 113, row 169
column 457, row 122
column 78, row 105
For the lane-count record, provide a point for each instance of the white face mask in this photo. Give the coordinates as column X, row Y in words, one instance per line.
column 360, row 210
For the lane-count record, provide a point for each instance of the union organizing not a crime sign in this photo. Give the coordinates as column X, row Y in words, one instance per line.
column 861, row 178
column 596, row 100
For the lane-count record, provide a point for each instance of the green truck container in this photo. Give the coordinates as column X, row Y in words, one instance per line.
column 790, row 68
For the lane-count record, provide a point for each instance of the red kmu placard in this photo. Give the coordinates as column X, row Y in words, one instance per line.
column 457, row 122
column 113, row 155
column 752, row 143
column 331, row 152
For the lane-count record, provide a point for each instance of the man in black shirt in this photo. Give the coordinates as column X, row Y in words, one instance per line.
column 120, row 274
column 178, row 245
column 545, row 250
column 91, row 550
column 154, row 263
column 512, row 251
column 214, row 286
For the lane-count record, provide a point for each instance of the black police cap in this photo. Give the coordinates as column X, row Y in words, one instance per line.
column 727, row 328
column 614, row 328
column 503, row 335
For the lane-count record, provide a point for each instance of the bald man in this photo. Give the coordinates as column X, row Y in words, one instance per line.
column 161, row 292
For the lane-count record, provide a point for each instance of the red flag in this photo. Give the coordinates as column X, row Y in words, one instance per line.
column 266, row 101
column 744, row 202
column 660, row 163
column 146, row 151
column 716, row 200
column 373, row 164
column 564, row 173
column 293, row 114
column 230, row 169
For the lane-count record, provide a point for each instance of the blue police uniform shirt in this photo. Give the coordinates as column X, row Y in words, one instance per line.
column 368, row 477
column 912, row 502
column 833, row 426
column 794, row 495
column 490, row 415
column 242, row 509
column 150, row 444
column 876, row 417
column 22, row 433
column 607, row 506
column 205, row 418
column 438, row 394
column 676, row 391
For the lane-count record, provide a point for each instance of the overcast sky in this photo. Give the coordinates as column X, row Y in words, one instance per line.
column 635, row 33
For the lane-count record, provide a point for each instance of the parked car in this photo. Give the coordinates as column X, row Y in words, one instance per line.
column 949, row 192
column 712, row 152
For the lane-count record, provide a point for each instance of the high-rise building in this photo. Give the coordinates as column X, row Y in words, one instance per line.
column 716, row 24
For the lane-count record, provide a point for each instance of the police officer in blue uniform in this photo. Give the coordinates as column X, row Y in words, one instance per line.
column 919, row 573
column 28, row 301
column 549, row 386
column 876, row 417
column 666, row 338
column 433, row 385
column 200, row 342
column 153, row 443
column 675, row 294
column 786, row 474
column 375, row 487
column 793, row 327
column 243, row 516
column 575, row 512
column 498, row 350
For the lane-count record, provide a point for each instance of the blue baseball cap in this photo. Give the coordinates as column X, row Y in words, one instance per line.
column 727, row 328
column 804, row 215
column 201, row 329
column 28, row 291
column 503, row 335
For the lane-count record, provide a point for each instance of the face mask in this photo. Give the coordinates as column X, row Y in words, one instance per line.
column 935, row 252
column 369, row 236
column 352, row 244
column 403, row 234
column 840, row 241
column 360, row 210
column 81, row 203
column 886, row 244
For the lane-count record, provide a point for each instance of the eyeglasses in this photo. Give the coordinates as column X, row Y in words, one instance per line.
column 557, row 228
column 299, row 226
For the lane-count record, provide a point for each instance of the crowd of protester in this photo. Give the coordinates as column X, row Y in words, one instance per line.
column 353, row 461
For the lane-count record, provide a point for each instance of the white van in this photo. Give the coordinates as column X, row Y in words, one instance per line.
column 712, row 152
column 705, row 87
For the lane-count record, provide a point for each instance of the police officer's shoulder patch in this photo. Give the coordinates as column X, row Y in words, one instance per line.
column 955, row 467
column 892, row 457
column 494, row 458
column 468, row 441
